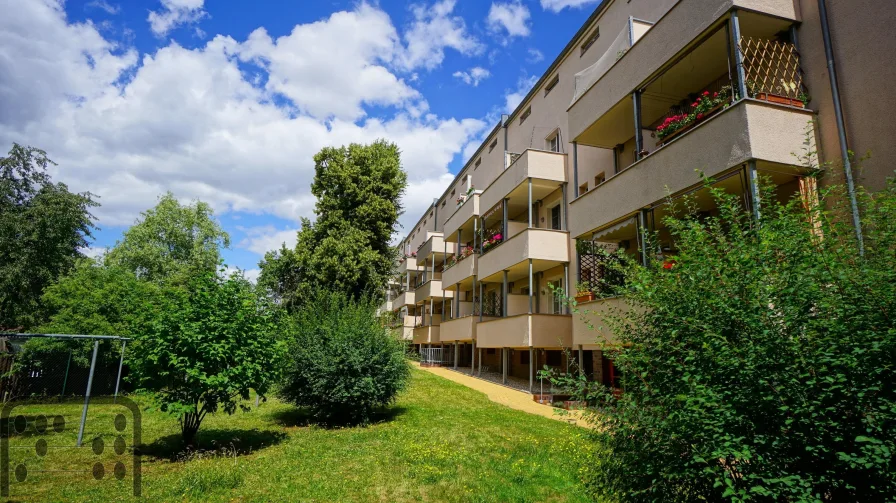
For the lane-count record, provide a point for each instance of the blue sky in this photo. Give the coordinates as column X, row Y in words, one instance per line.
column 227, row 100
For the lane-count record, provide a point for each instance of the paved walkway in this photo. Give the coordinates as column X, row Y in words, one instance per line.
column 503, row 395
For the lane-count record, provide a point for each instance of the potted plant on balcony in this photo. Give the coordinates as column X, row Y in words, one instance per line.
column 451, row 262
column 783, row 97
column 704, row 106
column 584, row 292
column 492, row 241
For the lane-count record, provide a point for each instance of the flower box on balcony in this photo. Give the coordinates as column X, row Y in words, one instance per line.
column 780, row 100
column 584, row 297
column 700, row 118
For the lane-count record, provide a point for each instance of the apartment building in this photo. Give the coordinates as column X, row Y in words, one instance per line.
column 645, row 97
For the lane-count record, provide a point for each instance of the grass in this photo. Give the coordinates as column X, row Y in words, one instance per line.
column 440, row 442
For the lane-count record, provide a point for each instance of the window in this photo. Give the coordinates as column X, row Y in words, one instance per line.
column 554, row 291
column 443, row 204
column 583, row 188
column 493, row 145
column 555, row 218
column 552, row 84
column 478, row 162
column 525, row 115
column 453, row 192
column 524, row 357
column 590, row 40
column 599, row 179
column 552, row 142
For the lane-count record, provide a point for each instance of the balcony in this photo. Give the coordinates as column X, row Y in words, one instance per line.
column 546, row 169
column 670, row 37
column 593, row 314
column 462, row 272
column 749, row 130
column 435, row 248
column 459, row 330
column 432, row 290
column 426, row 335
column 408, row 265
column 545, row 247
column 407, row 327
column 526, row 330
column 462, row 217
column 404, row 299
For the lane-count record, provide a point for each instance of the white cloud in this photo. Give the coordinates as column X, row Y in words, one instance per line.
column 106, row 6
column 473, row 77
column 175, row 13
column 334, row 66
column 514, row 97
column 94, row 252
column 558, row 5
column 261, row 240
column 129, row 127
column 534, row 56
column 512, row 17
column 434, row 29
column 249, row 274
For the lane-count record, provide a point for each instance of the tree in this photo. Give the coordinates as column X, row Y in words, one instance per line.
column 760, row 367
column 213, row 344
column 43, row 226
column 347, row 249
column 343, row 364
column 171, row 243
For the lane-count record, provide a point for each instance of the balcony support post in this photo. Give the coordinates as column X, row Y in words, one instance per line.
column 538, row 281
column 504, row 295
column 734, row 22
column 475, row 234
column 575, row 168
column 530, row 201
column 457, row 251
column 480, row 359
column 639, row 140
column 753, row 182
column 565, row 287
column 473, row 356
column 455, row 355
column 504, row 365
column 456, row 313
column 530, row 286
column 581, row 360
column 431, row 306
column 642, row 231
column 531, row 369
column 565, row 215
column 504, row 221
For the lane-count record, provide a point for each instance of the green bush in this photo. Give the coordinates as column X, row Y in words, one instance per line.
column 761, row 367
column 343, row 364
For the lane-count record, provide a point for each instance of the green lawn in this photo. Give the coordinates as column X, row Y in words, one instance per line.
column 440, row 442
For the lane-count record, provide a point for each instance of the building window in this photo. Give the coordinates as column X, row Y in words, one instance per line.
column 452, row 193
column 599, row 179
column 552, row 84
column 583, row 188
column 443, row 204
column 478, row 162
column 525, row 115
column 556, row 301
column 590, row 40
column 555, row 218
column 552, row 142
column 493, row 145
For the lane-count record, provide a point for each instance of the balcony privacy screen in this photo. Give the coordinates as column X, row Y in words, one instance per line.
column 589, row 76
column 771, row 67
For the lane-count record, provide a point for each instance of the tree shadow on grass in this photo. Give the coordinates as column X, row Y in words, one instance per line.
column 302, row 417
column 212, row 442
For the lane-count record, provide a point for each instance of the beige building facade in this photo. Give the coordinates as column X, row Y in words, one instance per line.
column 593, row 154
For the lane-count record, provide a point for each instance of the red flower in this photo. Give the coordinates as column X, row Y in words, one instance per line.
column 699, row 116
column 715, row 95
column 695, row 104
column 705, row 93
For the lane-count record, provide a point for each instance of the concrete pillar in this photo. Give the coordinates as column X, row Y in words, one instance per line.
column 753, row 182
column 531, row 369
column 504, row 365
column 504, row 296
column 530, row 202
column 455, row 355
column 581, row 360
column 531, row 286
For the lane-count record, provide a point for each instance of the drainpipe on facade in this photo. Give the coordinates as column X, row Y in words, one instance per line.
column 841, row 127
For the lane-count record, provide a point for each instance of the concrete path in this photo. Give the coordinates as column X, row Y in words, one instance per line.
column 503, row 395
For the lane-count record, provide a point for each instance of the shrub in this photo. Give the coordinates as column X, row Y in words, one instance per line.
column 343, row 364
column 761, row 366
